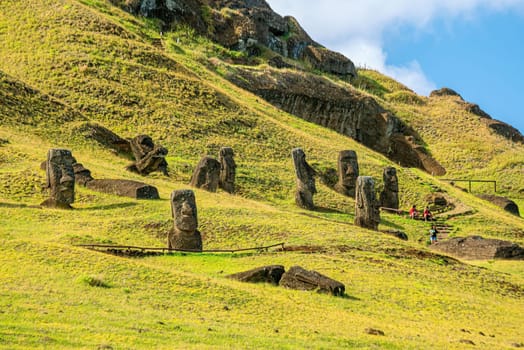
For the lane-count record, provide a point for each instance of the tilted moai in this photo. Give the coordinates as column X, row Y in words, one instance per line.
column 60, row 179
column 227, row 169
column 149, row 158
column 184, row 235
column 305, row 178
column 347, row 173
column 389, row 195
column 206, row 175
column 367, row 208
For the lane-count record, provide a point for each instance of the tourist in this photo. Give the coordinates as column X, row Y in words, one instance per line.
column 427, row 214
column 433, row 234
column 413, row 213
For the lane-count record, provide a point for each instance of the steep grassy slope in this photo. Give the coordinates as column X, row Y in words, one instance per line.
column 100, row 64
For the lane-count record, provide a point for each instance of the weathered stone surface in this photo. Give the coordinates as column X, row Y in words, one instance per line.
column 184, row 235
column 305, row 180
column 437, row 199
column 206, row 174
column 302, row 279
column 149, row 157
column 329, row 61
column 478, row 248
column 227, row 169
column 125, row 188
column 60, row 179
column 389, row 195
column 82, row 174
column 348, row 173
column 267, row 274
column 367, row 208
column 505, row 203
column 340, row 108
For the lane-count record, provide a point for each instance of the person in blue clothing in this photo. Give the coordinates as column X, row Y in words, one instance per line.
column 433, row 234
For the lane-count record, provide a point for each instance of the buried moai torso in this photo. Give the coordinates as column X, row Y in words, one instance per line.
column 227, row 169
column 60, row 178
column 367, row 210
column 184, row 235
column 305, row 179
column 206, row 174
column 347, row 173
column 149, row 158
column 389, row 196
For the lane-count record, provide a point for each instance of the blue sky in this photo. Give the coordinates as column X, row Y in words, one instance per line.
column 475, row 47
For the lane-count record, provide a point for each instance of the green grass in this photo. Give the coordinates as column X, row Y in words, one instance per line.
column 89, row 61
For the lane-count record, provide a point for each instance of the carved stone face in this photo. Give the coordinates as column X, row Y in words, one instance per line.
column 390, row 179
column 348, row 168
column 304, row 172
column 61, row 176
column 227, row 169
column 184, row 210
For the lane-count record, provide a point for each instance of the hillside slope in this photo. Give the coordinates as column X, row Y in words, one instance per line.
column 88, row 61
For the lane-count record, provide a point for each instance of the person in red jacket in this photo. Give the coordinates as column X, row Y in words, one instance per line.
column 427, row 214
column 413, row 213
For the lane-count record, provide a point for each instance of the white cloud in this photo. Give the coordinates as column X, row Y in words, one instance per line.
column 356, row 28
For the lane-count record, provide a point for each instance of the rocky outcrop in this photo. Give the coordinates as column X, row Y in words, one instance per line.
column 265, row 274
column 444, row 92
column 247, row 26
column 339, row 108
column 478, row 248
column 505, row 203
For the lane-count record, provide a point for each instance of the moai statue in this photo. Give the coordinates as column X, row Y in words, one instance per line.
column 206, row 174
column 149, row 158
column 347, row 173
column 389, row 196
column 60, row 179
column 227, row 169
column 82, row 174
column 367, row 209
column 305, row 180
column 184, row 234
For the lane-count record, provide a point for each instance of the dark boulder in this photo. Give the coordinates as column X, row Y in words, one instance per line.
column 206, row 174
column 301, row 279
column 444, row 92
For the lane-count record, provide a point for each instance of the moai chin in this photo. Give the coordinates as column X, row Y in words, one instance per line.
column 348, row 173
column 184, row 235
column 389, row 196
column 227, row 169
column 60, row 178
column 206, row 174
column 305, row 179
column 367, row 209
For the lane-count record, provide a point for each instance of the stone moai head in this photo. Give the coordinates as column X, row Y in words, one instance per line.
column 227, row 169
column 305, row 179
column 367, row 209
column 206, row 174
column 184, row 235
column 60, row 176
column 141, row 145
column 348, row 173
column 390, row 179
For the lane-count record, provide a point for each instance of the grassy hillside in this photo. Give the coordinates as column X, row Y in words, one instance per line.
column 67, row 62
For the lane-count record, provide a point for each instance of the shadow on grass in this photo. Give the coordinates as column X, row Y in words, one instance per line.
column 18, row 206
column 110, row 206
column 390, row 224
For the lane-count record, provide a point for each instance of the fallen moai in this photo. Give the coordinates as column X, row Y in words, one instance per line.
column 124, row 188
column 268, row 274
column 389, row 195
column 206, row 174
column 149, row 157
column 478, row 248
column 367, row 209
column 296, row 278
column 227, row 169
column 60, row 179
column 502, row 202
column 305, row 180
column 301, row 279
column 348, row 173
column 184, row 235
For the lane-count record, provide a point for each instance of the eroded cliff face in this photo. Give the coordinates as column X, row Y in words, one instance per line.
column 340, row 108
